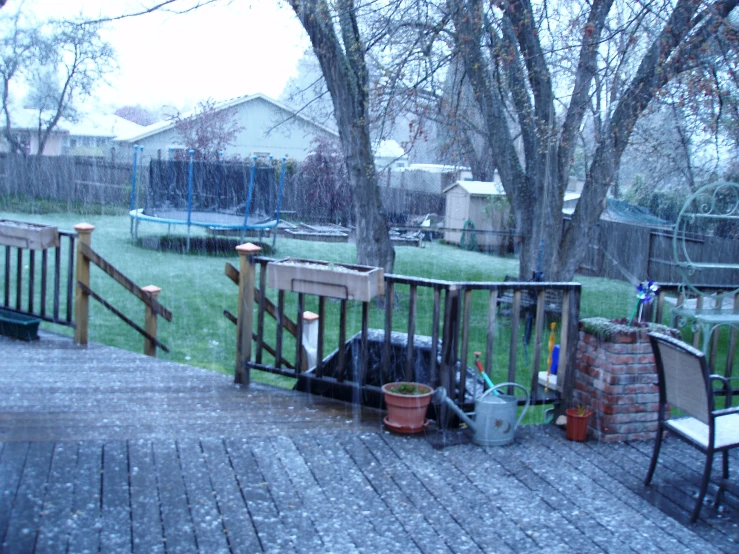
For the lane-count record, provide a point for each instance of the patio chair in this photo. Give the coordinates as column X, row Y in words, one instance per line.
column 684, row 384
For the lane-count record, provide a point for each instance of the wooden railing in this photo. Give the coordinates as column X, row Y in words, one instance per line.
column 452, row 316
column 148, row 295
column 48, row 290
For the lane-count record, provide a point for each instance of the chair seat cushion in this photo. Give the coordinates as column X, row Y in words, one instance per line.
column 727, row 430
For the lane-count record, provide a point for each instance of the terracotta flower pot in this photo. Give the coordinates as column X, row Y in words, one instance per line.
column 577, row 425
column 406, row 413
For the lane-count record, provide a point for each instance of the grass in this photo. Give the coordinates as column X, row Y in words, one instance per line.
column 195, row 288
column 21, row 204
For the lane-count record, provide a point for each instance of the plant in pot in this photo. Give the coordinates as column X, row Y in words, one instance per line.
column 406, row 406
column 578, row 420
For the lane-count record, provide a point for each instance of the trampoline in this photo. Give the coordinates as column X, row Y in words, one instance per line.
column 223, row 197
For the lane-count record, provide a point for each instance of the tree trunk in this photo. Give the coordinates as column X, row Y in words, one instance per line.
column 345, row 71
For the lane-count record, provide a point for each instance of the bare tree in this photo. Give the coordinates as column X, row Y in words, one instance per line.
column 18, row 49
column 535, row 181
column 541, row 73
column 208, row 130
column 61, row 61
column 344, row 68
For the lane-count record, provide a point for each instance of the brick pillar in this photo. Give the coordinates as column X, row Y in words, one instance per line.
column 616, row 377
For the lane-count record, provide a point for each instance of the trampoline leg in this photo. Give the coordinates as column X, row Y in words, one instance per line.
column 136, row 230
column 188, row 239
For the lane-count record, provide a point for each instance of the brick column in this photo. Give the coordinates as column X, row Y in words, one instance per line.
column 616, row 377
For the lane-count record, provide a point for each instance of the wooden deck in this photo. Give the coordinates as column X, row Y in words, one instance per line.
column 106, row 450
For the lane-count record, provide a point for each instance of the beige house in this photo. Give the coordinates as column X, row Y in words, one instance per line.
column 268, row 128
column 91, row 135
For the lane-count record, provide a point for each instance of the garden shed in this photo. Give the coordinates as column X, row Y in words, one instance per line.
column 484, row 205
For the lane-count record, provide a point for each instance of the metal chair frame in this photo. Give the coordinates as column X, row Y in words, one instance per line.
column 689, row 387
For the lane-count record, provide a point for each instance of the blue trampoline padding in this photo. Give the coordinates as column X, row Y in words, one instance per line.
column 141, row 216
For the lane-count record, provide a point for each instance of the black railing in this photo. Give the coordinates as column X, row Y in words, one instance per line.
column 459, row 317
column 40, row 283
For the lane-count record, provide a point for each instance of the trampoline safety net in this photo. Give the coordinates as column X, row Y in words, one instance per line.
column 217, row 188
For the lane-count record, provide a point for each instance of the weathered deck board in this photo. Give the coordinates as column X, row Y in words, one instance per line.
column 103, row 450
column 29, row 498
column 115, row 525
column 83, row 522
column 179, row 531
column 58, row 500
column 146, row 523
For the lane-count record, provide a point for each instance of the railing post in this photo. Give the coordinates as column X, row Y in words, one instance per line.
column 245, row 319
column 569, row 337
column 150, row 321
column 81, row 299
column 310, row 340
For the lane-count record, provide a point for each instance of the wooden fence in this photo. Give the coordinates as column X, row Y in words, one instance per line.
column 66, row 178
column 627, row 252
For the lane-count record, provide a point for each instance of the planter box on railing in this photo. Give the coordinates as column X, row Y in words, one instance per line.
column 334, row 280
column 28, row 235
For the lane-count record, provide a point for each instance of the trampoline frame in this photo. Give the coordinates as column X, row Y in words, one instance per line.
column 137, row 214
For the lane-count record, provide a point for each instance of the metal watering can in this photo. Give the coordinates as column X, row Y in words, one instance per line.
column 495, row 415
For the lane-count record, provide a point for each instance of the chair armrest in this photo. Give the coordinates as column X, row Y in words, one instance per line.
column 726, row 386
column 725, row 411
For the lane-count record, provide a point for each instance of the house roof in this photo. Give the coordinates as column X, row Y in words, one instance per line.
column 435, row 168
column 478, row 188
column 162, row 126
column 89, row 124
column 389, row 149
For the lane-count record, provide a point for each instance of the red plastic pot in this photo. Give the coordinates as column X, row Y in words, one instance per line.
column 577, row 425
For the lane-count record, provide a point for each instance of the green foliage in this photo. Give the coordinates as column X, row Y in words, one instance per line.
column 408, row 389
column 665, row 204
column 468, row 241
column 496, row 204
column 40, row 206
column 606, row 329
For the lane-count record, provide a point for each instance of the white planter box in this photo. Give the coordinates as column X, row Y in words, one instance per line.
column 348, row 282
column 28, row 235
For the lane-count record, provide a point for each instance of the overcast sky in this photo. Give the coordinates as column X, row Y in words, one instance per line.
column 220, row 51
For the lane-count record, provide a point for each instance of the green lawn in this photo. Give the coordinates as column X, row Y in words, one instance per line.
column 196, row 290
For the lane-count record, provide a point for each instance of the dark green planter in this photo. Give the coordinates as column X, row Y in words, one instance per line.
column 18, row 326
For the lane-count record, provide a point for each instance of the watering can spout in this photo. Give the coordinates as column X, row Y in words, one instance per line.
column 440, row 396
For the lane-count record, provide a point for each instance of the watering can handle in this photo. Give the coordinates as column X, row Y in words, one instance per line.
column 526, row 406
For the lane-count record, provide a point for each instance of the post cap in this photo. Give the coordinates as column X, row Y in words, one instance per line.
column 248, row 248
column 151, row 289
column 84, row 228
column 310, row 316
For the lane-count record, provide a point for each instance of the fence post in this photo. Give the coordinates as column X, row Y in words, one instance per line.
column 81, row 299
column 245, row 319
column 150, row 321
